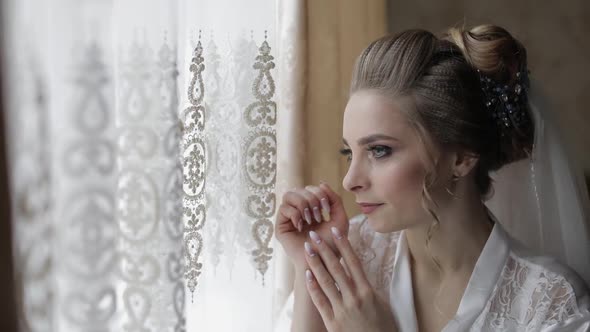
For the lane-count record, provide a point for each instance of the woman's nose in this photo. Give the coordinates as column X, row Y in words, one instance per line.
column 355, row 179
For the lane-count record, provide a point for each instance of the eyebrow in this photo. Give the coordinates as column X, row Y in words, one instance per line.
column 371, row 138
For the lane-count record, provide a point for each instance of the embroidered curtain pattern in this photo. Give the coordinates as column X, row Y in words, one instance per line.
column 143, row 163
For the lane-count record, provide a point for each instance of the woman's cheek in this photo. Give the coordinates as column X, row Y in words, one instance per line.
column 404, row 189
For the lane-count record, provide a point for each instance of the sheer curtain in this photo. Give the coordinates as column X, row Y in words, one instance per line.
column 143, row 160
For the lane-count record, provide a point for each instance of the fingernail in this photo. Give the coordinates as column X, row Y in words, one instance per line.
column 307, row 215
column 315, row 237
column 300, row 225
column 316, row 214
column 308, row 249
column 336, row 233
column 308, row 275
column 325, row 209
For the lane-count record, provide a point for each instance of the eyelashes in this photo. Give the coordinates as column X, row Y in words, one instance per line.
column 377, row 151
column 347, row 153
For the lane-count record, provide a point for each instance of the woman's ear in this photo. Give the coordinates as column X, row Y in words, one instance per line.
column 464, row 163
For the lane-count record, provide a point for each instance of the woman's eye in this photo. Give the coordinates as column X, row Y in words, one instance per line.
column 380, row 151
column 377, row 152
column 347, row 153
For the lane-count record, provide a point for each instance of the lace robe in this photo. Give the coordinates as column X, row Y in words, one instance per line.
column 509, row 290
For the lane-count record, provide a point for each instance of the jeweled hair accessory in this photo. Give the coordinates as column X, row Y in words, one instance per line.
column 507, row 103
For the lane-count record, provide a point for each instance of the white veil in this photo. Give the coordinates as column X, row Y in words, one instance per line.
column 542, row 201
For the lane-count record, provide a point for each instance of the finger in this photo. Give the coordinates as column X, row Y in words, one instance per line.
column 293, row 215
column 324, row 202
column 319, row 299
column 332, row 264
column 345, row 268
column 298, row 199
column 337, row 211
column 324, row 285
column 333, row 197
column 351, row 260
column 314, row 204
column 323, row 277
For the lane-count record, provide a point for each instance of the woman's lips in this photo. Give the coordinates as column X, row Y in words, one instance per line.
column 368, row 208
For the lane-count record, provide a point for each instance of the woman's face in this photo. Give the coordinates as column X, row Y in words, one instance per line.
column 385, row 162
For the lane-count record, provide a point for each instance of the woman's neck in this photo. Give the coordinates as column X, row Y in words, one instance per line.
column 455, row 245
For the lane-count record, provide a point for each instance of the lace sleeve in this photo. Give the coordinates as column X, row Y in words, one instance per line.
column 532, row 297
column 560, row 305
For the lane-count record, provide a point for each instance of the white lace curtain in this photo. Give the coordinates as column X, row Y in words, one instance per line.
column 143, row 157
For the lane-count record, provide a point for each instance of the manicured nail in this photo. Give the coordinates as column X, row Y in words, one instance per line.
column 308, row 275
column 315, row 237
column 316, row 214
column 307, row 215
column 308, row 249
column 336, row 233
column 325, row 209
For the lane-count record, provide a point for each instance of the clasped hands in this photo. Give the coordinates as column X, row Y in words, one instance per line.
column 345, row 302
column 344, row 299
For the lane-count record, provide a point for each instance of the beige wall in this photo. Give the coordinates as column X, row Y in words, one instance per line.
column 556, row 35
column 337, row 31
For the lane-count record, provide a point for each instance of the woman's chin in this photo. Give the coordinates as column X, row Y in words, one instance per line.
column 380, row 225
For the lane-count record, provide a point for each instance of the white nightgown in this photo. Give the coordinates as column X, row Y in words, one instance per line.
column 509, row 290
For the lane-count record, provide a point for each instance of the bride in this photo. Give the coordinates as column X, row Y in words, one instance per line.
column 465, row 194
